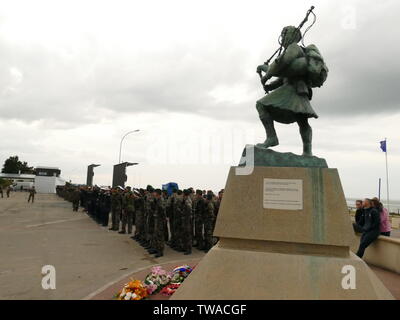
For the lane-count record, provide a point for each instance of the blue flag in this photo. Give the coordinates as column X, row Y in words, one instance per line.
column 383, row 145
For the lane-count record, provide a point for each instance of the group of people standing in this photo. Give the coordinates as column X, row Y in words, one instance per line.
column 31, row 197
column 182, row 219
column 371, row 220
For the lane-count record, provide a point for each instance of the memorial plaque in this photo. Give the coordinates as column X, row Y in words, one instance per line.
column 283, row 194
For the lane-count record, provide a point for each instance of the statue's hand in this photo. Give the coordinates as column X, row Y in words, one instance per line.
column 262, row 67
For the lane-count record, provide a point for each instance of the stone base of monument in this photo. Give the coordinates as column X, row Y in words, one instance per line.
column 285, row 233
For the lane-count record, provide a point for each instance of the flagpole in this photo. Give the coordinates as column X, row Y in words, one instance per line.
column 379, row 190
column 387, row 178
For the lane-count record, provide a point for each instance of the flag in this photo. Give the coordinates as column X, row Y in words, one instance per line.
column 383, row 145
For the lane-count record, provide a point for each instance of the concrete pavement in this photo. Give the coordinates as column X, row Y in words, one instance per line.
column 85, row 255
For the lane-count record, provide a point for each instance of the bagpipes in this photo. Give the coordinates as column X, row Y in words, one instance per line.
column 279, row 50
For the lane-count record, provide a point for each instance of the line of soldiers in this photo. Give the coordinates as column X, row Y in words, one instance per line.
column 182, row 220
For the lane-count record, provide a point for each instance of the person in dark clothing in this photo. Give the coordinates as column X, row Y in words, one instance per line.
column 370, row 227
column 359, row 211
column 106, row 208
column 32, row 193
column 357, row 226
column 75, row 197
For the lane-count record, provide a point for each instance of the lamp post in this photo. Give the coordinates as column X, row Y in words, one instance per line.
column 120, row 144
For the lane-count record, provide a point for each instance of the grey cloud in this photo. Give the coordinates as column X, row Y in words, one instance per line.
column 66, row 90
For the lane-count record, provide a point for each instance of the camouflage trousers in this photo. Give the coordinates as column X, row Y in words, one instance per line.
column 172, row 230
column 198, row 230
column 115, row 218
column 158, row 240
column 186, row 234
column 177, row 232
column 75, row 205
column 208, row 232
column 149, row 228
column 31, row 197
column 127, row 218
column 139, row 224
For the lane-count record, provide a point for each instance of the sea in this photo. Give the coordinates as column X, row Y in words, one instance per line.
column 394, row 204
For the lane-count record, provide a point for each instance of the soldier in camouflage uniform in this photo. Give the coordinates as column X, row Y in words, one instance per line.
column 177, row 209
column 32, row 193
column 115, row 208
column 76, row 195
column 198, row 220
column 170, row 215
column 164, row 195
column 148, row 217
column 193, row 197
column 105, row 202
column 209, row 220
column 186, row 223
column 128, row 209
column 139, row 217
column 217, row 202
column 159, row 225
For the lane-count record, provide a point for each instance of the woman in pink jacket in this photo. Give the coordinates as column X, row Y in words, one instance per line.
column 385, row 223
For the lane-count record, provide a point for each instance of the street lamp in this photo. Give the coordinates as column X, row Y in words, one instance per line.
column 120, row 144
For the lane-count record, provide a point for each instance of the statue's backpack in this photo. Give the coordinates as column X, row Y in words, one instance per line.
column 317, row 71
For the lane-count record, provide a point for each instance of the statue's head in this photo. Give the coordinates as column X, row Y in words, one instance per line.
column 289, row 35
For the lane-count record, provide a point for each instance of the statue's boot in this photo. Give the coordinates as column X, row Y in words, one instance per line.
column 306, row 137
column 272, row 139
column 307, row 150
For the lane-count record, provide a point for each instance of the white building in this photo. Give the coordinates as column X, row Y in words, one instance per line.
column 47, row 179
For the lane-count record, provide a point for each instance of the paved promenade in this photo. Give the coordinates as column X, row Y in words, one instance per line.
column 86, row 256
column 90, row 261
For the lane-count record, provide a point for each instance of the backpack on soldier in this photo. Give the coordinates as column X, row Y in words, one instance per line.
column 317, row 71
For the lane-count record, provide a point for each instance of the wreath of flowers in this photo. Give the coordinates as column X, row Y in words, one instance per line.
column 156, row 280
column 179, row 274
column 133, row 290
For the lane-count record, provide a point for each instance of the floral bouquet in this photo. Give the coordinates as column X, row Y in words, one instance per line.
column 133, row 290
column 179, row 274
column 156, row 280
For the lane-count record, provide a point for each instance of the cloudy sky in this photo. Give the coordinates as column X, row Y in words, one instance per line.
column 75, row 76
